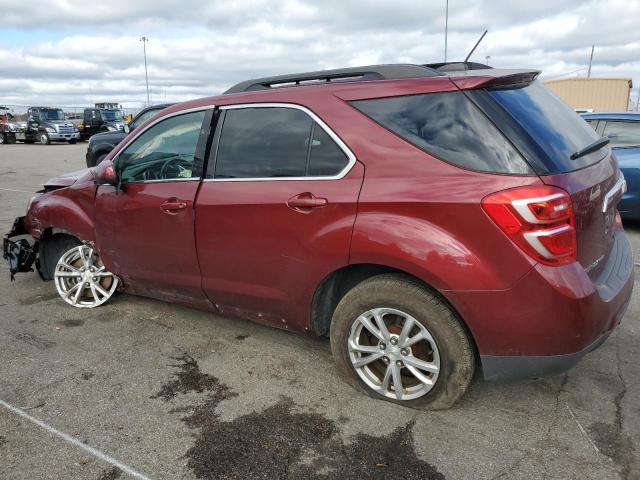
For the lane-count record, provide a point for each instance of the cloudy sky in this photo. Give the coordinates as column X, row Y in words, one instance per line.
column 69, row 52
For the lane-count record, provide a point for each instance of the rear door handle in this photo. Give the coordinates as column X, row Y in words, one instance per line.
column 173, row 206
column 304, row 202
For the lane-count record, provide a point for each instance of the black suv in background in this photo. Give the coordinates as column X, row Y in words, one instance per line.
column 102, row 143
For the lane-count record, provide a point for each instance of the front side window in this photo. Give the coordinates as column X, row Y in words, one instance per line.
column 623, row 134
column 275, row 142
column 163, row 152
column 448, row 126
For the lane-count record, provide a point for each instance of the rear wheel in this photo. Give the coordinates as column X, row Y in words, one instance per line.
column 44, row 139
column 82, row 280
column 396, row 340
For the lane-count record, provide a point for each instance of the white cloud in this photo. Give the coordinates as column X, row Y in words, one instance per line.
column 199, row 48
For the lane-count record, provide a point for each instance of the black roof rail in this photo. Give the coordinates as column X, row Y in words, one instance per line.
column 371, row 72
column 457, row 66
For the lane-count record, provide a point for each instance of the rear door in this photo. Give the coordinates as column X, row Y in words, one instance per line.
column 275, row 212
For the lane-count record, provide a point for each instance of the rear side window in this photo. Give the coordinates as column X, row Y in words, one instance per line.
column 450, row 127
column 275, row 142
column 623, row 134
column 326, row 158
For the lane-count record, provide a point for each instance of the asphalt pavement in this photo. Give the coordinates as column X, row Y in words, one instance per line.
column 139, row 388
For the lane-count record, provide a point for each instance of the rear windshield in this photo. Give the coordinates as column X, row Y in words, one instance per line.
column 450, row 127
column 554, row 126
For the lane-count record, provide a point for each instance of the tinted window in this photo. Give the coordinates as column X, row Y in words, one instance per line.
column 449, row 126
column 164, row 151
column 263, row 143
column 555, row 127
column 326, row 158
column 623, row 134
column 143, row 117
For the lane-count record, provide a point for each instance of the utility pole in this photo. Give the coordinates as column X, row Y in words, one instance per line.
column 590, row 61
column 487, row 58
column 144, row 41
column 446, row 30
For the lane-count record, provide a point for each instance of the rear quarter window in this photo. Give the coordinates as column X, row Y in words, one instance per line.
column 623, row 134
column 450, row 127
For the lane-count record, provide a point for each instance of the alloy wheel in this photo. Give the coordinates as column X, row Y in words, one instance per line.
column 82, row 280
column 394, row 354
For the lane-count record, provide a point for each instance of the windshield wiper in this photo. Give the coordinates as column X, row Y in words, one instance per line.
column 592, row 147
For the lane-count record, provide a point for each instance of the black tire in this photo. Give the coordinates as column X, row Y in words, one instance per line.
column 99, row 159
column 52, row 249
column 401, row 292
column 11, row 138
column 44, row 138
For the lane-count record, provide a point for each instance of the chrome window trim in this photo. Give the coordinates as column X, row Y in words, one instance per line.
column 343, row 146
column 155, row 122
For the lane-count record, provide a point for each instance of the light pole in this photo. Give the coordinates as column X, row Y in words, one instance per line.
column 144, row 41
column 446, row 30
column 487, row 58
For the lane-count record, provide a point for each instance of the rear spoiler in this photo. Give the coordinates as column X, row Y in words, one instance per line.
column 493, row 79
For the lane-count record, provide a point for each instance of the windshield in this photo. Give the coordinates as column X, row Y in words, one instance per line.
column 552, row 124
column 51, row 114
column 111, row 115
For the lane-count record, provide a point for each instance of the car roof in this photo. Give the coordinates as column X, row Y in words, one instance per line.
column 633, row 116
column 358, row 82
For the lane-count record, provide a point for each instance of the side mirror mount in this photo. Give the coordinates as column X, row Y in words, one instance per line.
column 105, row 174
column 127, row 128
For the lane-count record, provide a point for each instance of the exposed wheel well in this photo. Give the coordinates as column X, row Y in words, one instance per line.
column 48, row 241
column 331, row 290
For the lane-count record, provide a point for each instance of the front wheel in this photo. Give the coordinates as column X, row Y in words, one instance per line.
column 396, row 340
column 81, row 278
column 44, row 139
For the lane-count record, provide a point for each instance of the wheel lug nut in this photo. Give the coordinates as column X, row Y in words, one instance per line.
column 394, row 341
column 404, row 351
column 399, row 363
column 86, row 284
column 385, row 360
column 383, row 346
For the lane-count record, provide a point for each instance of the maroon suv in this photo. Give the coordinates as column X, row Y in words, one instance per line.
column 431, row 221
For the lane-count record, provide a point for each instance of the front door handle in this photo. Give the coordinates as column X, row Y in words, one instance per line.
column 304, row 202
column 173, row 206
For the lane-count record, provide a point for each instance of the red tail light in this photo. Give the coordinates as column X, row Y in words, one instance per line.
column 537, row 219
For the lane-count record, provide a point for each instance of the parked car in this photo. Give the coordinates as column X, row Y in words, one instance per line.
column 430, row 222
column 46, row 125
column 623, row 130
column 102, row 143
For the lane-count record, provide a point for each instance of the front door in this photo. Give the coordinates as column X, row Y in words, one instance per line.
column 275, row 212
column 145, row 229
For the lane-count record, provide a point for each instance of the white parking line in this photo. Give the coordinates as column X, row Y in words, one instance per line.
column 75, row 442
column 12, row 190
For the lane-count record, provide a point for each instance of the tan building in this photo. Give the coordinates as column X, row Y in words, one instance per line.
column 594, row 94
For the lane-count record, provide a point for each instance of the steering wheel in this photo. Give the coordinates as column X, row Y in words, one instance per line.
column 176, row 167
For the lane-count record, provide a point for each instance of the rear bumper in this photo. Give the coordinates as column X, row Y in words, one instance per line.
column 551, row 318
